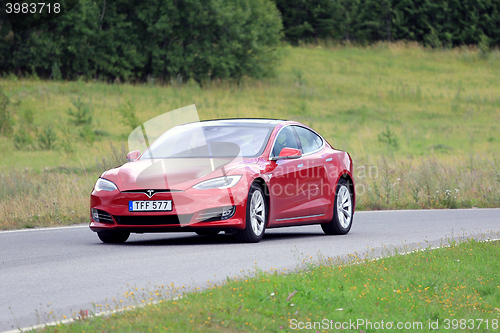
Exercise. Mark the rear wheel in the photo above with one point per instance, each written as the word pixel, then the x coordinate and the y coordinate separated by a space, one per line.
pixel 256 217
pixel 207 232
pixel 113 237
pixel 342 211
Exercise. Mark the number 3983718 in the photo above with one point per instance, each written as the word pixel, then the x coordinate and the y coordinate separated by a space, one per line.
pixel 32 8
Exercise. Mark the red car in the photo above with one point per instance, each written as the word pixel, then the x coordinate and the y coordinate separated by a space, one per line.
pixel 239 176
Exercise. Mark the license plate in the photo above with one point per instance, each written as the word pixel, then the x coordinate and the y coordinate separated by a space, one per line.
pixel 150 206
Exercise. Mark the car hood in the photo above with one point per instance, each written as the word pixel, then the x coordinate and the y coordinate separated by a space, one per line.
pixel 173 174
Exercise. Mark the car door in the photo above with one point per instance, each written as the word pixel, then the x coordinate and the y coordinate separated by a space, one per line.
pixel 286 185
pixel 313 172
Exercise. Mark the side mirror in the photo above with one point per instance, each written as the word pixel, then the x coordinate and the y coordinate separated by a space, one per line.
pixel 133 155
pixel 288 153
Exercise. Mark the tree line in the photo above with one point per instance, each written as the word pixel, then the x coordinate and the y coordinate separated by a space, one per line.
pixel 176 40
pixel 136 40
pixel 435 23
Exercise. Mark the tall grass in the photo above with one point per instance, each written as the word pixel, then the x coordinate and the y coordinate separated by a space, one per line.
pixel 52 196
pixel 428 117
pixel 49 198
pixel 429 182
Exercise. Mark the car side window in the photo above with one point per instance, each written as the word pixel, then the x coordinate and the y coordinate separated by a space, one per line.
pixel 310 141
pixel 286 139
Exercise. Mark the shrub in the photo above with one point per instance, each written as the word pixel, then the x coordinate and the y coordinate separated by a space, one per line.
pixel 87 134
pixel 5 119
pixel 389 138
pixel 82 115
pixel 22 139
pixel 129 118
pixel 130 40
pixel 436 23
pixel 66 141
pixel 484 44
pixel 27 117
pixel 47 138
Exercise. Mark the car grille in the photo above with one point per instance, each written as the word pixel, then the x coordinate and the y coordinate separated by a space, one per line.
pixel 153 220
pixel 104 217
pixel 155 191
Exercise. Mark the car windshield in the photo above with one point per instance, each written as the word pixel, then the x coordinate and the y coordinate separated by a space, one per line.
pixel 204 140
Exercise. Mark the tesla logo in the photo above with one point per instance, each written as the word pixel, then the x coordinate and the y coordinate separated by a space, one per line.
pixel 150 193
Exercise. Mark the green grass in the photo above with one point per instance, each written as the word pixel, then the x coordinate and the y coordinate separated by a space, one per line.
pixel 426 120
pixel 459 282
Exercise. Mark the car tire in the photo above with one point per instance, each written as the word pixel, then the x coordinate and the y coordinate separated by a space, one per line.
pixel 256 216
pixel 342 211
pixel 113 237
pixel 207 232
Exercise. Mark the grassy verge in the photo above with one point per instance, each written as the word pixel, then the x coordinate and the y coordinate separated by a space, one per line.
pixel 53 196
pixel 421 126
pixel 455 287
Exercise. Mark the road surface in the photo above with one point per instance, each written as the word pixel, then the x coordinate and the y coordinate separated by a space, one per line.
pixel 67 269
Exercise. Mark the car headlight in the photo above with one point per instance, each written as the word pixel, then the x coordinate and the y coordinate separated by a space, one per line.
pixel 105 185
pixel 220 183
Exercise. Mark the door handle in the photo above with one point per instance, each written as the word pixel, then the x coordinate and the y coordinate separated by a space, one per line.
pixel 328 159
pixel 300 165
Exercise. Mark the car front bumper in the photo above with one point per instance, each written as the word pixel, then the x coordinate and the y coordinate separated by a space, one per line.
pixel 189 211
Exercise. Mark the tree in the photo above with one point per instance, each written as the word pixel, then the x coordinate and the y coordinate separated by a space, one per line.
pixel 134 40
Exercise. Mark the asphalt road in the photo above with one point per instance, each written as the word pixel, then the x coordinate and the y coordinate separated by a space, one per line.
pixel 67 269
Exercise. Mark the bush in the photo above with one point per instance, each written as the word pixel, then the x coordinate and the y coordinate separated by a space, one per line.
pixel 484 44
pixel 137 40
pixel 82 115
pixel 389 138
pixel 22 139
pixel 129 118
pixel 5 119
pixel 27 117
pixel 435 23
pixel 47 138
pixel 87 134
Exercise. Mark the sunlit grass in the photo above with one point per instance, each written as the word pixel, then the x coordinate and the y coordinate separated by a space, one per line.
pixel 459 282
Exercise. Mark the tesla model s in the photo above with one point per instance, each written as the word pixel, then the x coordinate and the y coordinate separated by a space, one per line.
pixel 238 176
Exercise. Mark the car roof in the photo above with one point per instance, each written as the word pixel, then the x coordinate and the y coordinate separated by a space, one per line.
pixel 242 121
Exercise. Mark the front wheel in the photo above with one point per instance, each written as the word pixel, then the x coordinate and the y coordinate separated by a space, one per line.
pixel 256 217
pixel 342 211
pixel 113 237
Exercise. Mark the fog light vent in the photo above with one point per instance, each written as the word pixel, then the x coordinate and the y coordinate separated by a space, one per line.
pixel 216 214
pixel 101 216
